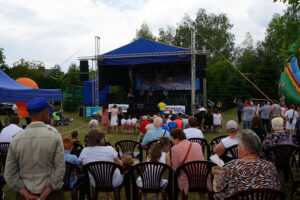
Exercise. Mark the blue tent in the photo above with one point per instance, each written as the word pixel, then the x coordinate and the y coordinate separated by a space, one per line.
pixel 88 94
pixel 144 51
pixel 12 91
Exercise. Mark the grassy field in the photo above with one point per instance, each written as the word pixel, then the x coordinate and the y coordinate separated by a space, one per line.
pixel 82 123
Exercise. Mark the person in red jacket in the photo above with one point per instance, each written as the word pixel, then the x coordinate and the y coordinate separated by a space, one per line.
pixel 143 130
pixel 178 122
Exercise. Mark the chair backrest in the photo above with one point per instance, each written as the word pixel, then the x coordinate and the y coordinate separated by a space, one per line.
pixel 283 155
pixel 296 140
pixel 151 174
pixel 258 194
pixel 102 172
pixel 231 150
pixel 3 153
pixel 197 173
pixel 203 143
pixel 127 146
pixel 214 142
pixel 71 170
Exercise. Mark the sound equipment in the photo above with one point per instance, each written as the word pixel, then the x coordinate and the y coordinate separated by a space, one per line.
pixel 81 111
pixel 84 77
pixel 200 65
pixel 84 66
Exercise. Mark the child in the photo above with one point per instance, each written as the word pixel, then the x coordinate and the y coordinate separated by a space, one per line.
pixel 68 146
pixel 217 120
pixel 158 153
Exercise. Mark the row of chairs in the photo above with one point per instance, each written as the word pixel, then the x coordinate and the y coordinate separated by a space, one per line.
pixel 151 174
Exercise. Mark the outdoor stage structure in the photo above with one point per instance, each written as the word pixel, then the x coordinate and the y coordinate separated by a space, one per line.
pixel 145 64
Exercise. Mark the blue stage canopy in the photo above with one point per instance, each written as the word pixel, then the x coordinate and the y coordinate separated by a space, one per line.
pixel 12 91
pixel 144 51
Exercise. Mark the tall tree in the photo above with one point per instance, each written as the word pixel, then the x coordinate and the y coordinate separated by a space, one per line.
pixel 3 66
pixel 144 32
pixel 166 35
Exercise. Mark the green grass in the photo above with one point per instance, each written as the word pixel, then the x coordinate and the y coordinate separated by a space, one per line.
pixel 113 138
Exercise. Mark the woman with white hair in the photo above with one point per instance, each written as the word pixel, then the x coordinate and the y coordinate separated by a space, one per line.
pixel 278 137
pixel 247 172
pixel 92 124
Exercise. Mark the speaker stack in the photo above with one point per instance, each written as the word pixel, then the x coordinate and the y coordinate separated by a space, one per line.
pixel 84 70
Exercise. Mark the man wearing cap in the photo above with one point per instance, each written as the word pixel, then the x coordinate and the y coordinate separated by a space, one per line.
pixel 35 164
pixel 232 129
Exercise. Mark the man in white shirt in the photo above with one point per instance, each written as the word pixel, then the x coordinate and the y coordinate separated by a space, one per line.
pixel 232 129
pixel 12 129
pixel 193 132
pixel 291 116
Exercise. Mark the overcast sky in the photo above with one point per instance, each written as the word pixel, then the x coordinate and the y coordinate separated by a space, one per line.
pixel 53 30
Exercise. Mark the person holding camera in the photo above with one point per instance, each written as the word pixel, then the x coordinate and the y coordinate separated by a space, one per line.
pixel 291 116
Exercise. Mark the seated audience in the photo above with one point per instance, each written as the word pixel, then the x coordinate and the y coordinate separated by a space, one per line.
pixel 68 145
pixel 77 146
pixel 247 172
pixel 12 129
pixel 278 137
pixel 158 153
pixel 257 127
pixel 232 129
pixel 143 130
pixel 185 122
pixel 150 126
pixel 92 124
pixel 155 133
pixel 97 151
pixel 193 132
pixel 184 149
pixel 178 122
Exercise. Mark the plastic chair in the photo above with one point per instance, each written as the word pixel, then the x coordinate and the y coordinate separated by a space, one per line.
pixel 71 170
pixel 283 155
pixel 151 174
pixel 231 150
pixel 214 142
pixel 128 147
pixel 103 172
pixel 3 153
pixel 203 143
pixel 258 194
pixel 197 173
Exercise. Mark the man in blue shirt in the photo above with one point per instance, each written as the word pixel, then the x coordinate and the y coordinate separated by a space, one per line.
pixel 240 106
pixel 172 125
pixel 156 133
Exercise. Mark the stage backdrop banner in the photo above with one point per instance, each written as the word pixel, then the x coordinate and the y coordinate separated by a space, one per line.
pixel 93 111
pixel 175 109
pixel 123 106
pixel 159 80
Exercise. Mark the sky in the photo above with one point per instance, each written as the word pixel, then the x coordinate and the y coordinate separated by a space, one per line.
pixel 60 31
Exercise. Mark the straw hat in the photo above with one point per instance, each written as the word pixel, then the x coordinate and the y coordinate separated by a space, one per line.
pixel 129 160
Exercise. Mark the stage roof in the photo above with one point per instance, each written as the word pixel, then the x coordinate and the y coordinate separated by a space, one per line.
pixel 12 91
pixel 144 51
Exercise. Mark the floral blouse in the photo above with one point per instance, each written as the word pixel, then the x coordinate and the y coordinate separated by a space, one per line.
pixel 239 175
pixel 274 139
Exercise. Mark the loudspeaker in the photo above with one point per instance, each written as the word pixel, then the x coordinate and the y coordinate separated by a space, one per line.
pixel 84 77
pixel 200 65
pixel 81 111
pixel 84 66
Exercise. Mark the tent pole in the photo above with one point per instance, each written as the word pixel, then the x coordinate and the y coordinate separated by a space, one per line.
pixel 193 71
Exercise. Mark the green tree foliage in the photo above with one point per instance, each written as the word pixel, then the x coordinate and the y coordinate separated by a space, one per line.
pixel 3 66
pixel 295 3
pixel 285 30
pixel 166 35
pixel 144 32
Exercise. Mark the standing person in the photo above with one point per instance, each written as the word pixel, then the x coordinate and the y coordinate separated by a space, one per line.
pixel 249 112
pixel 178 122
pixel 172 124
pixel 291 116
pixel 208 121
pixel 275 109
pixel 104 120
pixel 35 164
pixel 11 130
pixel 217 121
pixel 297 128
pixel 120 115
pixel 114 116
pixel 282 98
pixel 265 116
pixel 161 107
pixel 240 106
pixel 219 106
